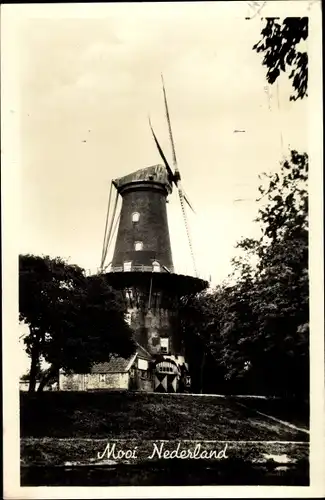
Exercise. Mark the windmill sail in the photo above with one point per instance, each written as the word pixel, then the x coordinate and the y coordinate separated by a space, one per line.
pixel 108 230
pixel 163 157
pixel 187 201
pixel 177 173
pixel 169 127
pixel 177 178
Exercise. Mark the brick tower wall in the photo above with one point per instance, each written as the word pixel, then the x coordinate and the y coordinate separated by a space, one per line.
pixel 151 229
pixel 153 316
pixel 151 326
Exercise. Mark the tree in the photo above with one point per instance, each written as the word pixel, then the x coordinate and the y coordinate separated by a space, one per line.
pixel 281 298
pixel 43 283
pixel 268 336
pixel 74 320
pixel 255 326
pixel 279 43
pixel 197 314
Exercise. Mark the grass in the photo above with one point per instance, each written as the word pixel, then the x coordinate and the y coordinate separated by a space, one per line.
pixel 297 413
pixel 114 415
pixel 62 433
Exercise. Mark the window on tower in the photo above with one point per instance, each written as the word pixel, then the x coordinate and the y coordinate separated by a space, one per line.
pixel 155 267
pixel 135 217
pixel 138 245
pixel 164 345
pixel 127 266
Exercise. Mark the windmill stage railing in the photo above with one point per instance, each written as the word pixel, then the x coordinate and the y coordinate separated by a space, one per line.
pixel 149 269
pixel 137 268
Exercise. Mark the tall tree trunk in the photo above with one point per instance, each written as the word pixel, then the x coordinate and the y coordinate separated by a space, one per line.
pixel 34 366
pixel 53 370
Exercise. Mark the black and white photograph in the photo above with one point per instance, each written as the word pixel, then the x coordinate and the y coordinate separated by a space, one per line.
pixel 162 258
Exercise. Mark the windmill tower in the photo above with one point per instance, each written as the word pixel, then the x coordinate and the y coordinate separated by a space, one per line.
pixel 142 265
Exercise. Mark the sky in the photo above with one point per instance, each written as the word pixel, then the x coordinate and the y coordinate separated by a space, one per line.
pixel 87 80
pixel 87 87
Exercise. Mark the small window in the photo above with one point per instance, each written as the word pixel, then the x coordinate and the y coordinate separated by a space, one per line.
pixel 155 267
pixel 142 364
pixel 135 217
pixel 138 245
pixel 164 343
pixel 127 266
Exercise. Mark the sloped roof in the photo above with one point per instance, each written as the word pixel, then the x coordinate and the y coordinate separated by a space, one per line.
pixel 154 173
pixel 121 365
pixel 142 353
pixel 115 365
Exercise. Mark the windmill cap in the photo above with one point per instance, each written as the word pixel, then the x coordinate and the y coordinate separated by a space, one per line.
pixel 155 175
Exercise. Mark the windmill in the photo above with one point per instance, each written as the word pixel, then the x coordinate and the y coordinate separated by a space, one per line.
pixel 142 264
pixel 173 178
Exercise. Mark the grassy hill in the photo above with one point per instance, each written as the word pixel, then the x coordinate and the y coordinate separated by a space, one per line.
pixel 63 432
pixel 145 416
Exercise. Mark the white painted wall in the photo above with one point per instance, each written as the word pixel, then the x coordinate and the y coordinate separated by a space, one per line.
pixel 80 382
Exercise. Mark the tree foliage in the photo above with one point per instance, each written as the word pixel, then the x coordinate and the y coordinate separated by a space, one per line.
pixel 277 289
pixel 279 45
pixel 256 325
pixel 197 315
pixel 74 320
